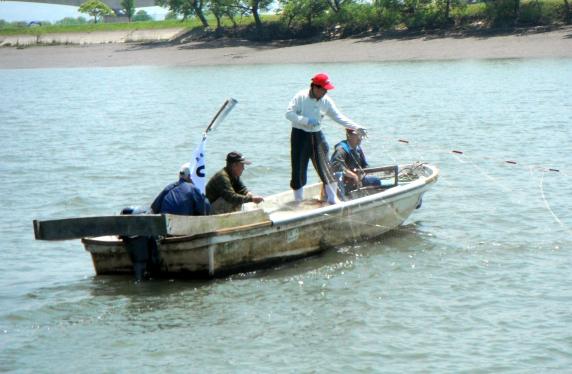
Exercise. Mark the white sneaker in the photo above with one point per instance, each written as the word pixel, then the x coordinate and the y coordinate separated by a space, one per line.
pixel 332 193
pixel 299 195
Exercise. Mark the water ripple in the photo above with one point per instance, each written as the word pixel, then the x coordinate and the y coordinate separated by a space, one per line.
pixel 476 281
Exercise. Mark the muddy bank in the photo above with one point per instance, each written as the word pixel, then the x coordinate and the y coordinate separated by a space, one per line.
pixel 549 44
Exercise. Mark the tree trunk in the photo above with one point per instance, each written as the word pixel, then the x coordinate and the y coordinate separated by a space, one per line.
pixel 516 11
pixel 256 16
pixel 447 10
pixel 335 5
pixel 231 17
pixel 218 23
pixel 198 9
pixel 566 12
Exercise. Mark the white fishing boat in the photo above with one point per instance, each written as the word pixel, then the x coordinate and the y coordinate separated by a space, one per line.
pixel 277 230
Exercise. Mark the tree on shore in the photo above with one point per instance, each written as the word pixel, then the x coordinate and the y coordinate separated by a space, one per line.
pixel 142 16
pixel 341 18
pixel 129 7
pixel 96 9
pixel 516 11
pixel 221 8
pixel 337 5
pixel 303 11
pixel 197 6
pixel 187 8
pixel 254 7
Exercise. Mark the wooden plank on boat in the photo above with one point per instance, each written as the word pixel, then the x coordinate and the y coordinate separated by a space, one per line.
pixel 181 225
pixel 76 228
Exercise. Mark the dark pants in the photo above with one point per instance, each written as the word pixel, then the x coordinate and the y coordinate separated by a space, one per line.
pixel 303 147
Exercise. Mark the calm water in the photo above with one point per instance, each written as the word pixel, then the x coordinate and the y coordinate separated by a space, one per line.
pixel 479 280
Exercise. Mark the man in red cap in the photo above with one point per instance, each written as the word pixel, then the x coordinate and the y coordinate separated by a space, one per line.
pixel 305 112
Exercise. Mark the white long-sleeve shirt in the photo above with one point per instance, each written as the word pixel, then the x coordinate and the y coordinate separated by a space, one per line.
pixel 302 107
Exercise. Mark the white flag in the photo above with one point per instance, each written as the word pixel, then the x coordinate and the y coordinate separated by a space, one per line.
pixel 198 167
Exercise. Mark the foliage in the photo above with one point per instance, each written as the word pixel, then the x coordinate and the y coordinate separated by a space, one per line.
pixel 72 21
pixel 353 18
pixel 254 7
pixel 129 7
pixel 465 14
pixel 302 12
pixel 338 5
pixel 388 13
pixel 142 16
pixel 308 18
pixel 171 16
pixel 96 9
pixel 541 12
pixel 225 8
pixel 501 13
pixel 186 8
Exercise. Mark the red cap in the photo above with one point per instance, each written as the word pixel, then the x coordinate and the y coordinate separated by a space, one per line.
pixel 323 81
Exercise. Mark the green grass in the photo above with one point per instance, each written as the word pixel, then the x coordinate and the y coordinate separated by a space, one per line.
pixel 11 29
pixel 90 27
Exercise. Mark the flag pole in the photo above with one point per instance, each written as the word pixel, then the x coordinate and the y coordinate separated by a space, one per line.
pixel 198 164
pixel 221 114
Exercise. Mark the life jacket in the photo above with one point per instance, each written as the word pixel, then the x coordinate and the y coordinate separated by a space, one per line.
pixel 351 156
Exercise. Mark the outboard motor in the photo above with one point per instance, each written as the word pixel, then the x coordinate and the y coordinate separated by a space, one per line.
pixel 143 250
pixel 135 210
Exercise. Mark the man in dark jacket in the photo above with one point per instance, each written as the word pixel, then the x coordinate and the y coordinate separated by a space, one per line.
pixel 348 162
pixel 182 197
pixel 225 189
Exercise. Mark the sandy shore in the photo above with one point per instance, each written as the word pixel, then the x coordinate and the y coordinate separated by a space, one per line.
pixel 549 44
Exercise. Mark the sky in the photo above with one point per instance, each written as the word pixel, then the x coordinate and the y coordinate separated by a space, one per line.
pixel 20 11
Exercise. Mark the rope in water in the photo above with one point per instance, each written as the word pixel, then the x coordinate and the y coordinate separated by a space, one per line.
pixel 541 186
pixel 508 162
pixel 464 157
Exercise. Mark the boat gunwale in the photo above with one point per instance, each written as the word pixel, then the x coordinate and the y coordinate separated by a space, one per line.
pixel 389 195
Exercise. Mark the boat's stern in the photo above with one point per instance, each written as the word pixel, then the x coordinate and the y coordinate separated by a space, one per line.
pixel 109 255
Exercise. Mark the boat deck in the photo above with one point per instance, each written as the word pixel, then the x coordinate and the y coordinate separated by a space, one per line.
pixel 293 208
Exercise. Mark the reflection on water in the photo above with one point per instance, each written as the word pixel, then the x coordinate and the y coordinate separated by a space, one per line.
pixel 481 264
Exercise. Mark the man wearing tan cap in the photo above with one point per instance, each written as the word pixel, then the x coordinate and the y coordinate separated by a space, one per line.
pixel 307 141
pixel 225 190
pixel 348 163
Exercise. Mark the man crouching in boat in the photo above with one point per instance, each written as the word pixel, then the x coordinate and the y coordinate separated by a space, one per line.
pixel 225 189
pixel 348 162
pixel 182 197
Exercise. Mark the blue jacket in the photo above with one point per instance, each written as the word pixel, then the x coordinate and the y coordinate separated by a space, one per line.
pixel 345 157
pixel 181 198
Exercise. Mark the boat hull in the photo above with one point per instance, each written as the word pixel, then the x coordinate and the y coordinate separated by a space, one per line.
pixel 285 236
